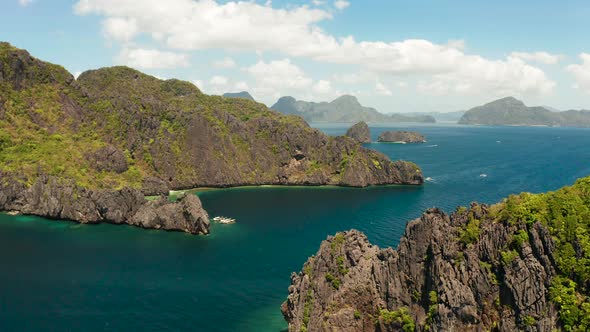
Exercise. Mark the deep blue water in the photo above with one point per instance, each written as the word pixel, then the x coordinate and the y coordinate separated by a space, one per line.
pixel 58 276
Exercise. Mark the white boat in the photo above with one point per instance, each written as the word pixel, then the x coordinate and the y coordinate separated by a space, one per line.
pixel 224 220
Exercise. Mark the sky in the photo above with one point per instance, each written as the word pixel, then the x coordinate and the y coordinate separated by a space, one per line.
pixel 395 55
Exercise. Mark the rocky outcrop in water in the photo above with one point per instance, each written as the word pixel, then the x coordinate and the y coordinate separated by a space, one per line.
pixel 56 198
pixel 449 273
pixel 360 132
pixel 401 136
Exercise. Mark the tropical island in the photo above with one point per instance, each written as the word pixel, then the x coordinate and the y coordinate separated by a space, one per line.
pixel 510 111
pixel 521 264
pixel 344 109
pixel 89 149
pixel 401 137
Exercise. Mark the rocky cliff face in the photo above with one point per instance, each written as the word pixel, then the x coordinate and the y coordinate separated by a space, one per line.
pixel 401 136
pixel 360 132
pixel 56 198
pixel 471 271
pixel 116 127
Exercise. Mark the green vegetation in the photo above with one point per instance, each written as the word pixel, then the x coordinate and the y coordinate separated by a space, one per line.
pixel 470 232
pixel 333 280
pixel 337 242
pixel 508 256
pixel 51 124
pixel 432 309
pixel 357 315
pixel 401 317
pixel 341 267
pixel 566 214
pixel 307 306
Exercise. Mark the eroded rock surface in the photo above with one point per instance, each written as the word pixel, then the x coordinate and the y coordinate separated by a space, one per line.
pixel 434 281
pixel 360 132
pixel 56 198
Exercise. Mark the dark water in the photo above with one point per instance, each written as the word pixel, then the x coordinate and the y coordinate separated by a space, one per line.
pixel 59 276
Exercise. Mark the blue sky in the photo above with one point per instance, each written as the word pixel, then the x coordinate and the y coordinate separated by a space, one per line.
pixel 397 56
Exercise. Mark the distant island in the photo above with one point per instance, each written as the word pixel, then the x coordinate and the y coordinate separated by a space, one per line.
pixel 243 95
pixel 510 111
pixel 345 109
pixel 449 117
pixel 401 137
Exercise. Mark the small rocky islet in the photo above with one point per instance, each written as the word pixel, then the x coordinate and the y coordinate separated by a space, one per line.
pixel 70 148
pixel 401 137
pixel 360 132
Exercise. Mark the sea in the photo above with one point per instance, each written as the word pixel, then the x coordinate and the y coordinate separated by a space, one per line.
pixel 62 276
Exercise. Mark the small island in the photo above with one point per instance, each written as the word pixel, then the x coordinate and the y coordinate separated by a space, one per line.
pixel 360 132
pixel 402 137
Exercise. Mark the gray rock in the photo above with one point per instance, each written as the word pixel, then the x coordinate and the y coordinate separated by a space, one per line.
pixel 475 290
pixel 109 159
pixel 401 136
pixel 360 132
pixel 56 198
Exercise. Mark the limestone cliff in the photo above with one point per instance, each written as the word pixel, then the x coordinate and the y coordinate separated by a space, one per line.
pixel 117 127
pixel 360 132
pixel 516 265
pixel 56 198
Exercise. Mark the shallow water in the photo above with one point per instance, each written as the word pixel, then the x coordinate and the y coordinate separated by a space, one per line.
pixel 58 276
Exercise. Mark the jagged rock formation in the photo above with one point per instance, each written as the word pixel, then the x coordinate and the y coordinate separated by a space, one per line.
pixel 516 265
pixel 243 94
pixel 360 132
pixel 56 198
pixel 117 127
pixel 401 136
pixel 511 111
pixel 345 109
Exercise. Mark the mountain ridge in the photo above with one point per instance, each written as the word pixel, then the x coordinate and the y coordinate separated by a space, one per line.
pixel 511 111
pixel 345 108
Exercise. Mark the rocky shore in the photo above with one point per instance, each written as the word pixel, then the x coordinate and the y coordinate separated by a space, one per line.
pixel 56 198
pixel 444 276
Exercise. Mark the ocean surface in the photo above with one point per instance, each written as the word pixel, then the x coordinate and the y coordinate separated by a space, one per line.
pixel 61 276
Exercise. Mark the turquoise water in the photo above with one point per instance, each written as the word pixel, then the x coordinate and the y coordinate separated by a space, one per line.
pixel 58 276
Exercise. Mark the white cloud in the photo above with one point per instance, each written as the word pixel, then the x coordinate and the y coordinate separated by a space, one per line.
pixel 76 74
pixel 581 73
pixel 294 32
pixel 318 2
pixel 323 87
pixel 481 76
pixel 382 90
pixel 120 29
pixel 540 57
pixel 241 86
pixel 25 3
pixel 279 78
pixel 277 75
pixel 341 4
pixel 224 63
pixel 219 80
pixel 151 58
